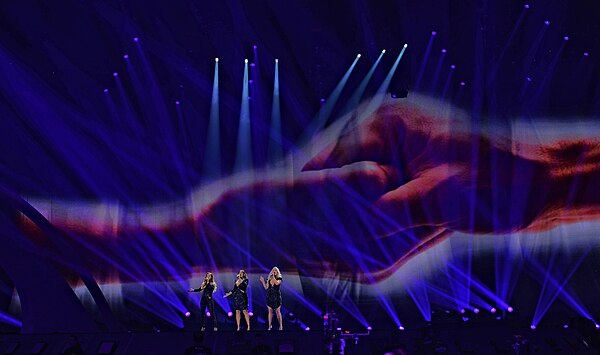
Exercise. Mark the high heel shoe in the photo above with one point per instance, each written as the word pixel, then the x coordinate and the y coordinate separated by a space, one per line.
pixel 270 327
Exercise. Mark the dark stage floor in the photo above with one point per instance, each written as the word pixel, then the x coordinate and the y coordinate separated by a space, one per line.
pixel 458 339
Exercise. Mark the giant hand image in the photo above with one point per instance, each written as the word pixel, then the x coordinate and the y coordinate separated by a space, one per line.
pixel 387 185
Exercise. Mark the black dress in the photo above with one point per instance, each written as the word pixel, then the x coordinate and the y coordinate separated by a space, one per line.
pixel 274 294
pixel 240 297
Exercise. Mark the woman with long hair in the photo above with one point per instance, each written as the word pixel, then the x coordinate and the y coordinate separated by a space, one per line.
pixel 208 287
pixel 240 298
pixel 272 285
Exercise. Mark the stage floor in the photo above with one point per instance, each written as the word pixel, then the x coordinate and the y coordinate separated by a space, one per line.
pixel 449 340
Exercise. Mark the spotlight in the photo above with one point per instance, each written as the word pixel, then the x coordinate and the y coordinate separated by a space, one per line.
pixel 254 46
pixel 444 51
pixel 250 81
pixel 252 64
pixel 585 54
pixel 115 74
pixel 462 311
pixel 462 83
pixel 401 327
pixel 597 326
pixel 566 326
pixel 307 329
pixel 394 96
pixel 207 313
pixel 126 56
pixel 493 310
pixel 528 79
pixel 105 90
pixel 276 60
pixel 510 309
pixel 358 55
pixel 246 61
pixel 338 329
pixel 566 38
pixel 135 39
pixel 187 314
pixel 383 51
pixel 251 314
pixel 405 45
pixel 323 100
pixel 369 328
pixel 217 60
pixel 230 314
pixel 290 317
pixel 453 66
pixel 475 310
pixel 532 327
pixel 547 23
pixel 433 33
pixel 526 6
pixel 177 102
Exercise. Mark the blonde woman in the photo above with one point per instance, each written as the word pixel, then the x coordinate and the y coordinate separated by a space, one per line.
pixel 240 298
pixel 208 287
pixel 272 285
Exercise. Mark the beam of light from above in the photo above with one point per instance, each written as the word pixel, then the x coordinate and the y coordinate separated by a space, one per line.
pixel 243 155
pixel 424 61
pixel 243 163
pixel 211 168
pixel 354 100
pixel 548 75
pixel 383 88
pixel 529 61
pixel 494 71
pixel 438 69
pixel 276 135
pixel 325 112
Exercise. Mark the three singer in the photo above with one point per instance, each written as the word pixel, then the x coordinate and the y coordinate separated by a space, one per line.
pixel 240 298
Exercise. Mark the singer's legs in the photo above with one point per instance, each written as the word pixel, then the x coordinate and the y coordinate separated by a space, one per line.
pixel 278 312
pixel 237 318
pixel 202 310
pixel 211 309
pixel 247 316
pixel 270 318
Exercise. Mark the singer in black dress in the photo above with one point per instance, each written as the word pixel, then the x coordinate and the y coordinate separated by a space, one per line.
pixel 208 287
pixel 272 285
pixel 240 298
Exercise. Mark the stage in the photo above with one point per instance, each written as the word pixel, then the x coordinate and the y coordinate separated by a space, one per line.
pixel 435 339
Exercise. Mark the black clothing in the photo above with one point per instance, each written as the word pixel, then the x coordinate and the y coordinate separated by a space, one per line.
pixel 274 294
pixel 240 297
pixel 207 302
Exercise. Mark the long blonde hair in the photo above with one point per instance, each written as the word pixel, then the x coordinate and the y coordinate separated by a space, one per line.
pixel 277 271
pixel 245 275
